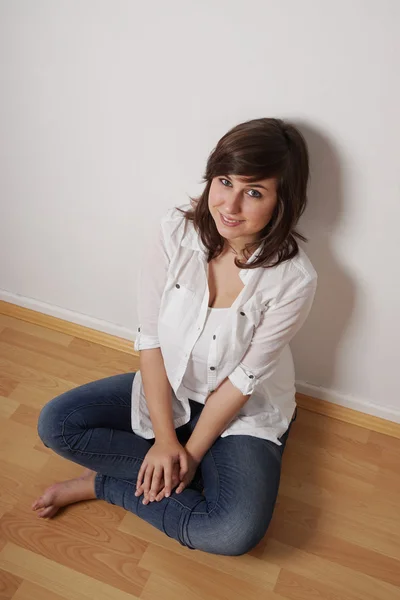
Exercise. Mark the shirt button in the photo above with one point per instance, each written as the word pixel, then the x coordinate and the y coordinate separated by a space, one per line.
pixel 251 376
pixel 177 286
pixel 214 337
pixel 138 328
pixel 242 313
pixel 212 368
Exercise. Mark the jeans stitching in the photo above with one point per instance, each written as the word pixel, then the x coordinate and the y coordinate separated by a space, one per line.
pixel 97 485
pixel 99 455
pixel 91 453
pixel 132 484
pixel 275 451
pixel 218 492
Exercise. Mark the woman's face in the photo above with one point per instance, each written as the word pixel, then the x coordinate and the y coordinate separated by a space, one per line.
pixel 249 205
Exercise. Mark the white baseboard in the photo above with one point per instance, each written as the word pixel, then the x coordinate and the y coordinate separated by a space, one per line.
pixel 68 315
pixel 308 389
pixel 390 414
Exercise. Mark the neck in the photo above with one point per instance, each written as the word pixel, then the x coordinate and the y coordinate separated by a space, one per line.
pixel 237 249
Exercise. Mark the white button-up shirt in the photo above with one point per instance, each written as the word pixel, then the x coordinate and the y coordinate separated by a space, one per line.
pixel 251 345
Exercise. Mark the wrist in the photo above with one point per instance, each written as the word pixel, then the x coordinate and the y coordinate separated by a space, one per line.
pixel 166 437
pixel 197 457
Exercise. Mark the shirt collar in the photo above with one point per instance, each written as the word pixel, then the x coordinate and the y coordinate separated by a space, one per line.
pixel 193 241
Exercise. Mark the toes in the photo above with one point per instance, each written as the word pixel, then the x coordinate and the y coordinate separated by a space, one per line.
pixel 46 499
pixel 48 512
pixel 52 512
pixel 39 503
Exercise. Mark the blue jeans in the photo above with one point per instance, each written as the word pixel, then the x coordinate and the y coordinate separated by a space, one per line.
pixel 226 509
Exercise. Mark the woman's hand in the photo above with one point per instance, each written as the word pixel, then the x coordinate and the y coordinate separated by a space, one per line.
pixel 188 477
pixel 161 495
pixel 162 461
pixel 175 482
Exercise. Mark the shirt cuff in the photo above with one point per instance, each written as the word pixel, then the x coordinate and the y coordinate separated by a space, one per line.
pixel 146 342
pixel 243 379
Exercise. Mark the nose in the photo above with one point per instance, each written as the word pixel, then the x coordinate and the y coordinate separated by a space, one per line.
pixel 232 204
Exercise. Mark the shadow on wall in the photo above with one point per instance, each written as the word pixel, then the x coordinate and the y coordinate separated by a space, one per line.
pixel 315 348
pixel 317 345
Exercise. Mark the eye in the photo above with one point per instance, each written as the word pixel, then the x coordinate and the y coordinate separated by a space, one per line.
pixel 259 195
pixel 228 183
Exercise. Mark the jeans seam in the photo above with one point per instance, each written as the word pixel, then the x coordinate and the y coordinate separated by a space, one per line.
pixel 275 452
pixel 163 520
pixel 218 492
pixel 132 484
pixel 99 454
pixel 82 451
pixel 98 484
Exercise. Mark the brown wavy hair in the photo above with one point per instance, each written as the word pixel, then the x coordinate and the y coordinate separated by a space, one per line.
pixel 259 149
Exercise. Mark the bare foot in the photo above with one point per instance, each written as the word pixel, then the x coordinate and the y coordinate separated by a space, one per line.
pixel 67 492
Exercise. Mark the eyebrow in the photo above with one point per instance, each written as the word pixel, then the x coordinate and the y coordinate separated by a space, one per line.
pixel 253 185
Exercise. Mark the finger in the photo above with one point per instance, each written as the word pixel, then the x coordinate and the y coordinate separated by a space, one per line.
pixel 180 487
pixel 142 471
pixel 156 482
pixel 161 495
pixel 140 480
pixel 183 459
pixel 168 479
pixel 147 481
pixel 140 490
pixel 175 475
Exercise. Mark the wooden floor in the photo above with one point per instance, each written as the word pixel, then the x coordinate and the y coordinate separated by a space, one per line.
pixel 335 534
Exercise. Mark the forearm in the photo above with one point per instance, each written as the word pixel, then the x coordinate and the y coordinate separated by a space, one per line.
pixel 157 390
pixel 220 409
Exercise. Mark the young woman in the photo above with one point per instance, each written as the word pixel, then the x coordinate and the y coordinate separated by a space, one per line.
pixel 192 442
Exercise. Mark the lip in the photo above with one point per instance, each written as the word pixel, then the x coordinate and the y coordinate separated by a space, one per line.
pixel 226 224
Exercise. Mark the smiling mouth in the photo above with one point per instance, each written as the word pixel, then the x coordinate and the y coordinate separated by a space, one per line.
pixel 230 220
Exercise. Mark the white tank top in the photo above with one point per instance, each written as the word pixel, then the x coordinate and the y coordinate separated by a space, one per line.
pixel 195 379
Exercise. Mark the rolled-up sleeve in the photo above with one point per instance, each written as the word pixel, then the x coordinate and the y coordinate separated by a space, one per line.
pixel 150 286
pixel 281 321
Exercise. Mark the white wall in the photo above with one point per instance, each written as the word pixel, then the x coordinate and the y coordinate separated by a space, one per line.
pixel 109 109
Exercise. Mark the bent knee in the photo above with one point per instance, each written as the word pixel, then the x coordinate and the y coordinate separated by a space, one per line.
pixel 45 425
pixel 50 423
pixel 235 541
pixel 239 545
